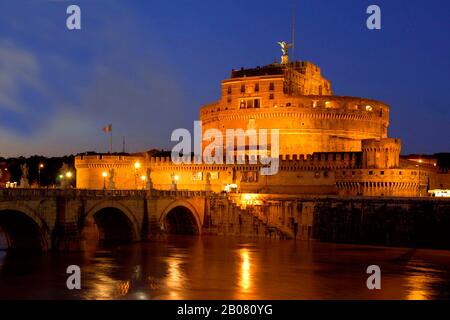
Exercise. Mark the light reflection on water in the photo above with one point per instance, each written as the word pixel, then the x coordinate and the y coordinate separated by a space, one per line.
pixel 176 277
pixel 419 280
pixel 228 268
pixel 245 278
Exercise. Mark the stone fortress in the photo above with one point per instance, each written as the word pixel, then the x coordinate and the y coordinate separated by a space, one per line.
pixel 328 145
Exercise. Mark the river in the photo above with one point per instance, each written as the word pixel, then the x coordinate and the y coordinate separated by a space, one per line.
pixel 228 268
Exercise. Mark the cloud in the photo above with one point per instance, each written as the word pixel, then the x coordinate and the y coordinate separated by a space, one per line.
pixel 18 68
pixel 134 90
pixel 59 88
pixel 63 134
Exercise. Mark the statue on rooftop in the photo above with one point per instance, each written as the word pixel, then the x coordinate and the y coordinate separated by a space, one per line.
pixel 284 47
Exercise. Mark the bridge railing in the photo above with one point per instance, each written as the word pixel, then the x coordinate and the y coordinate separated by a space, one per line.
pixel 41 192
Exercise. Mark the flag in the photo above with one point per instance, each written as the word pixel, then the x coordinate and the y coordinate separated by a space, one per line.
pixel 108 128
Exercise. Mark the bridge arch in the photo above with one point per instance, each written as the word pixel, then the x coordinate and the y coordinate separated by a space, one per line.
pixel 115 222
pixel 181 217
pixel 22 229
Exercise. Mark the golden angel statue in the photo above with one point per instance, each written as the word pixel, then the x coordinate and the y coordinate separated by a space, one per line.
pixel 284 47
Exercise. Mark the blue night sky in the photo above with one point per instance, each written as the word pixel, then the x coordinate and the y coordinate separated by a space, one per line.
pixel 147 66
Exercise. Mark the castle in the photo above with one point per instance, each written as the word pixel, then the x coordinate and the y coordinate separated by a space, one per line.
pixel 328 145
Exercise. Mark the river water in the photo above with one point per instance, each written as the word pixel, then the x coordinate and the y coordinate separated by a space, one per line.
pixel 228 268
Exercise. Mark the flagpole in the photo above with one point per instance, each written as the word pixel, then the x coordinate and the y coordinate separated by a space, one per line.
pixel 110 140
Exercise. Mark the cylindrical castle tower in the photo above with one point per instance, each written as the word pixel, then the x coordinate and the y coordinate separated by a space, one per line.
pixel 297 100
pixel 381 154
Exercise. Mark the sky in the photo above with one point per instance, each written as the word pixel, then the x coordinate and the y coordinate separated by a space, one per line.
pixel 148 66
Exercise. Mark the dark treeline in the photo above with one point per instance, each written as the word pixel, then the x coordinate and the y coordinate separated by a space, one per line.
pixel 443 160
pixel 49 172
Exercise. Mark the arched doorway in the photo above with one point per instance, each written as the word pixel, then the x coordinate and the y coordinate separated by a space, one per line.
pixel 18 231
pixel 181 220
pixel 113 226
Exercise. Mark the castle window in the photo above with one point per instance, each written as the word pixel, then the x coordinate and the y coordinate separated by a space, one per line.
pixel 242 88
pixel 400 173
pixel 229 90
pixel 249 103
pixel 382 173
pixel 271 86
pixel 288 104
pixel 353 173
pixel 370 173
pixel 256 87
pixel 271 96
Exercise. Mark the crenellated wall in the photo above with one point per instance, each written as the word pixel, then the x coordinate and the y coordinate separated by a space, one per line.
pixel 382 182
pixel 381 153
pixel 90 169
pixel 342 173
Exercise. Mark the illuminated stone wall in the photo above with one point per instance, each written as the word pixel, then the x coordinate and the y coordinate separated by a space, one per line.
pixel 319 174
pixel 90 170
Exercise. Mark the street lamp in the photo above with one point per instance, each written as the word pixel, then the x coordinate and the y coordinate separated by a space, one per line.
pixel 40 167
pixel 104 175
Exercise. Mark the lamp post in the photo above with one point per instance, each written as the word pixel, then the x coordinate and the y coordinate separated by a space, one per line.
pixel 40 167
pixel 175 179
pixel 68 176
pixel 137 165
pixel 143 178
pixel 418 167
pixel 104 175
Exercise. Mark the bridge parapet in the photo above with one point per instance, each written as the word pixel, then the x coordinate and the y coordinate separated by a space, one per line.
pixel 19 193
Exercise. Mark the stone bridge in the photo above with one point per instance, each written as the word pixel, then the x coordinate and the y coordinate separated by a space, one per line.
pixel 60 219
pixel 56 218
pixel 66 219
